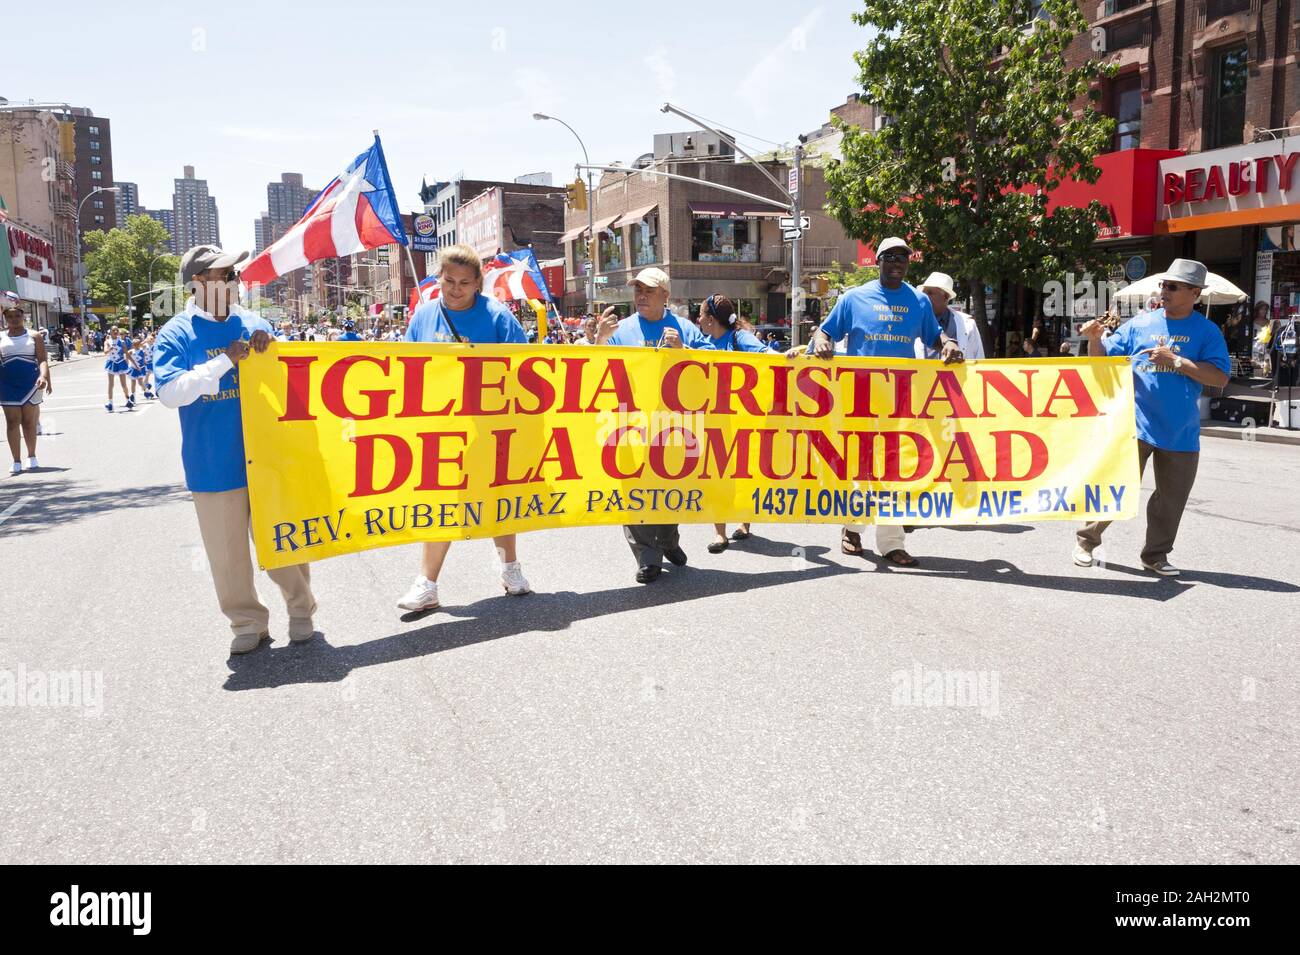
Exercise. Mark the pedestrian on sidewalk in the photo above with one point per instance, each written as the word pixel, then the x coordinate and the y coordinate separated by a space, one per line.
pixel 463 313
pixel 652 326
pixel 24 381
pixel 1176 351
pixel 196 367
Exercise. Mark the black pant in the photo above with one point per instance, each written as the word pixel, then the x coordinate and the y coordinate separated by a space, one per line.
pixel 650 541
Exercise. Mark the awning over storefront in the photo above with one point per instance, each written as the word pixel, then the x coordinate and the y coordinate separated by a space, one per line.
pixel 635 216
pixel 603 224
pixel 726 209
pixel 1127 187
pixel 1251 184
pixel 573 234
pixel 40 291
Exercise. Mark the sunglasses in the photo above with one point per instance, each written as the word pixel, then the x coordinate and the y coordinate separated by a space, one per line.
pixel 893 257
pixel 1175 286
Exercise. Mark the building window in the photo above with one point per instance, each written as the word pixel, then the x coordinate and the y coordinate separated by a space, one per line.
pixel 581 256
pixel 1215 9
pixel 611 250
pixel 94 130
pixel 724 240
pixel 1127 33
pixel 96 160
pixel 1226 98
pixel 98 203
pixel 94 144
pixel 645 240
pixel 99 220
pixel 96 174
pixel 1119 6
pixel 1126 108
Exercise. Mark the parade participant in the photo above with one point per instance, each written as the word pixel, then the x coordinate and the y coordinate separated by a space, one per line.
pixel 728 332
pixel 958 326
pixel 653 325
pixel 139 373
pixel 197 358
pixel 116 347
pixel 1176 351
pixel 882 319
pixel 24 381
pixel 462 313
pixel 285 334
pixel 349 332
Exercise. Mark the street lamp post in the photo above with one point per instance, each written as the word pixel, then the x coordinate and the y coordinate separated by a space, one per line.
pixel 591 212
pixel 76 238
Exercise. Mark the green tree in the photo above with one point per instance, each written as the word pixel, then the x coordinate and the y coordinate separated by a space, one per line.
pixel 980 126
pixel 125 253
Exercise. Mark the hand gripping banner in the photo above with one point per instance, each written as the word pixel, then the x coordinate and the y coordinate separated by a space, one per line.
pixel 352 446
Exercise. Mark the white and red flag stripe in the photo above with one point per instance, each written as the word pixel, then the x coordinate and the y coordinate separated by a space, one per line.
pixel 355 212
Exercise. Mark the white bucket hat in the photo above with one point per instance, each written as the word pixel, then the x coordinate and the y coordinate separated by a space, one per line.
pixel 941 281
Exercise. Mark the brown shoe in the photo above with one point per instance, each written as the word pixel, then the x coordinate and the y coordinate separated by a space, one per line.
pixel 301 629
pixel 851 543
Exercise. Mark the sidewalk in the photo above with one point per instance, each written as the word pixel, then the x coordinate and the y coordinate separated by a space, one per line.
pixel 1270 435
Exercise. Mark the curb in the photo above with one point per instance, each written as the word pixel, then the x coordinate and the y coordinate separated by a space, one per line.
pixel 1264 436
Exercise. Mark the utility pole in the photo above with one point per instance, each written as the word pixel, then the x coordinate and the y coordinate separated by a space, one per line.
pixel 796 292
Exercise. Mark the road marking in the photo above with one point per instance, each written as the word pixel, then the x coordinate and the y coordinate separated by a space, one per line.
pixel 12 509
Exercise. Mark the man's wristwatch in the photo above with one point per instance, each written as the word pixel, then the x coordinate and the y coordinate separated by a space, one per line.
pixel 1178 363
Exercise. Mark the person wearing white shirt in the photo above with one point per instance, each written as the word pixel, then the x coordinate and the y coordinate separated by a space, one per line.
pixel 956 325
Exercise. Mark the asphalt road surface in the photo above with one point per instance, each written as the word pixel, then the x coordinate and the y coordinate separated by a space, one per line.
pixel 778 702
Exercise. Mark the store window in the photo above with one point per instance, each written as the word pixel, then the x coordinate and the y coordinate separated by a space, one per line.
pixel 581 255
pixel 1226 99
pixel 1126 108
pixel 716 239
pixel 611 250
pixel 645 240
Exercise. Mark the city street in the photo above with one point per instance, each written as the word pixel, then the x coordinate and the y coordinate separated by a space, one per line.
pixel 766 704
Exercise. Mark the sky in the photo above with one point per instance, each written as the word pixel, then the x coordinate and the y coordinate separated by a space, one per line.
pixel 245 91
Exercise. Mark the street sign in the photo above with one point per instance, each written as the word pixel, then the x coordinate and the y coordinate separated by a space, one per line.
pixel 602 279
pixel 790 234
pixel 787 222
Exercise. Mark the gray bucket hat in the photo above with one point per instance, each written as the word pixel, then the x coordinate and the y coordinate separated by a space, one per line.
pixel 1187 271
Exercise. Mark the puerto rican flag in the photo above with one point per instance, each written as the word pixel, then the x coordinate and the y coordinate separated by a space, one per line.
pixel 356 211
pixel 508 278
pixel 426 291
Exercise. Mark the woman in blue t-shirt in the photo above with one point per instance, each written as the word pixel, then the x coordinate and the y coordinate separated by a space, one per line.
pixel 462 313
pixel 728 332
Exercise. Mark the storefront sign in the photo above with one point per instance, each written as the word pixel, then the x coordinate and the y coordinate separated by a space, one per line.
pixel 1241 185
pixel 478 223
pixel 33 257
pixel 1263 276
pixel 425 238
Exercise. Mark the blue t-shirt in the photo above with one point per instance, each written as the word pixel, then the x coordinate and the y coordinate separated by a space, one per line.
pixel 212 434
pixel 734 339
pixel 486 322
pixel 881 322
pixel 349 337
pixel 635 332
pixel 1168 415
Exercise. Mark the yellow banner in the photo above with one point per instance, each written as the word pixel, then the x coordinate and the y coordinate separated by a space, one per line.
pixel 357 446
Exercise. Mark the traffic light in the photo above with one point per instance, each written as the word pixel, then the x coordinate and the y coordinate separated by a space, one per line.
pixel 577 194
pixel 814 308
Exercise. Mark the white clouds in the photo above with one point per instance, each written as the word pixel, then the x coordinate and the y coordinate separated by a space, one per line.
pixel 781 65
pixel 537 87
pixel 270 134
pixel 665 76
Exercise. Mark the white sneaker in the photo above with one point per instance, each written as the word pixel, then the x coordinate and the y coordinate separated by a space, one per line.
pixel 1083 558
pixel 32 465
pixel 512 579
pixel 1163 568
pixel 423 595
pixel 16 468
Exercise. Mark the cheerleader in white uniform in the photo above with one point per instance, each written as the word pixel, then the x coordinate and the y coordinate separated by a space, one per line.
pixel 116 346
pixel 24 380
pixel 139 372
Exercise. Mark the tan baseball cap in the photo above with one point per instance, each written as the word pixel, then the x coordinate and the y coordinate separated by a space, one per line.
pixel 204 257
pixel 650 278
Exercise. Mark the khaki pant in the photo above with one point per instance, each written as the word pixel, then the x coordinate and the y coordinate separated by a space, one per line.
pixel 889 537
pixel 1175 475
pixel 226 527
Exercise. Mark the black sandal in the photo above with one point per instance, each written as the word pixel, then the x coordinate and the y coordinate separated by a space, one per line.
pixel 717 547
pixel 739 535
pixel 851 543
pixel 901 557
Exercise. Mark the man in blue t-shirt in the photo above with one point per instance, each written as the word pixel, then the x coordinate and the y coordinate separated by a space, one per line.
pixel 349 332
pixel 652 326
pixel 195 368
pixel 1176 350
pixel 882 319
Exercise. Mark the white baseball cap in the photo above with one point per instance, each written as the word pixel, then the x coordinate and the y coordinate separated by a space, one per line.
pixel 650 278
pixel 893 242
